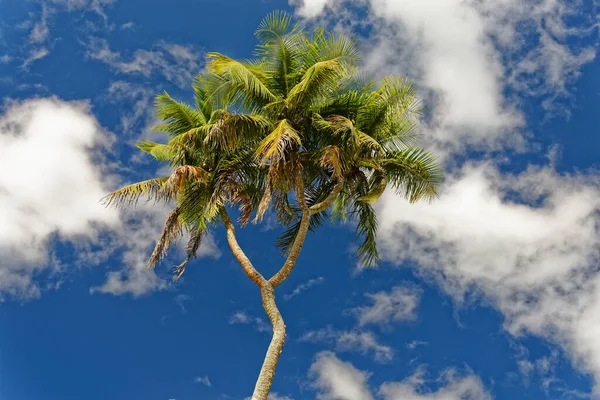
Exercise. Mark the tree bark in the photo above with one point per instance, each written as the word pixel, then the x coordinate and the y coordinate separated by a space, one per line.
pixel 267 372
pixel 267 287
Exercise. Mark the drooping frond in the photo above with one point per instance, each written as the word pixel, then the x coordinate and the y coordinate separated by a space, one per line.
pixel 272 149
pixel 182 176
pixel 376 186
pixel 366 228
pixel 414 173
pixel 129 195
pixel 330 158
pixel 159 151
pixel 191 250
pixel 177 117
pixel 171 232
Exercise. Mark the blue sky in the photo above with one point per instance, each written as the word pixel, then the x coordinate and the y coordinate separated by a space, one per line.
pixel 490 292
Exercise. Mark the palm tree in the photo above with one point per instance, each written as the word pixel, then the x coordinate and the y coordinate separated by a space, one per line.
pixel 297 130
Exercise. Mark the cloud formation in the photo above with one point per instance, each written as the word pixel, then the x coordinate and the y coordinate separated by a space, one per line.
pixel 351 341
pixel 399 304
pixel 50 187
pixel 176 63
pixel 334 379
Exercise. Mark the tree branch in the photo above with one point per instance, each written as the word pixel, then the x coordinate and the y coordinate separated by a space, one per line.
pixel 290 262
pixel 238 253
pixel 324 205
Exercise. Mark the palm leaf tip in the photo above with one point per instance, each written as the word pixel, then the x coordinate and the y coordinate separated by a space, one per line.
pixel 130 195
pixel 171 232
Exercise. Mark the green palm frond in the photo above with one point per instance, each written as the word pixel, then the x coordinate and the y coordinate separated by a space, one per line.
pixel 129 195
pixel 286 238
pixel 235 129
pixel 161 152
pixel 272 149
pixel 177 117
pixel 366 228
pixel 247 81
pixel 377 185
pixel 389 108
pixel 414 173
pixel 274 26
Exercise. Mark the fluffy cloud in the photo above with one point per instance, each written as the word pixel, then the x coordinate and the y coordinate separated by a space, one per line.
pixel 177 63
pixel 455 388
pixel 530 242
pixel 53 176
pixel 50 186
pixel 350 341
pixel 334 379
pixel 399 304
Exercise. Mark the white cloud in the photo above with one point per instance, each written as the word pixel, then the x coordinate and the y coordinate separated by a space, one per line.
pixel 243 318
pixel 177 63
pixel 350 341
pixel 40 30
pixel 399 304
pixel 180 300
pixel 337 380
pixel 304 287
pixel 334 379
pixel 127 26
pixel 34 55
pixel 50 186
pixel 529 242
pixel 454 387
pixel 203 380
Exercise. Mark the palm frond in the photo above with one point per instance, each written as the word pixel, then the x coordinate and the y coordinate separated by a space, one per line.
pixel 182 176
pixel 177 117
pixel 286 238
pixel 171 232
pixel 272 149
pixel 414 173
pixel 191 250
pixel 235 129
pixel 247 81
pixel 366 228
pixel 129 195
pixel 159 151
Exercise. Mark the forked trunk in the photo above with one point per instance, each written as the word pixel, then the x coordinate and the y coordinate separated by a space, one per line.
pixel 267 372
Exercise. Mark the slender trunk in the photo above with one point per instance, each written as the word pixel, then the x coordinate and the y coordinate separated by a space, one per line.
pixel 267 287
pixel 267 372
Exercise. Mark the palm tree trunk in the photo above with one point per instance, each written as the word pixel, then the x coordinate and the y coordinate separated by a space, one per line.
pixel 267 372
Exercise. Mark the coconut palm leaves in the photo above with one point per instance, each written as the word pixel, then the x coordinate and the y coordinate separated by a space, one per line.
pixel 337 128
